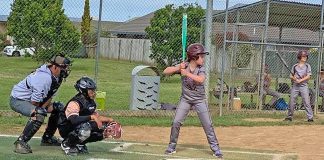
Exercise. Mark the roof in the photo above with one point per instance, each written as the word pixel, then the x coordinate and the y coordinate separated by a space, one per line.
pixel 105 25
pixel 135 26
pixel 3 18
pixel 299 23
pixel 282 14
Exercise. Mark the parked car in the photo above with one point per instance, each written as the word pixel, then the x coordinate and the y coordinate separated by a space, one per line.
pixel 16 52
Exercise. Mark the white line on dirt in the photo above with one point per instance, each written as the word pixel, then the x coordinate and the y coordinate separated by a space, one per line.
pixel 225 151
pixel 121 147
pixel 159 155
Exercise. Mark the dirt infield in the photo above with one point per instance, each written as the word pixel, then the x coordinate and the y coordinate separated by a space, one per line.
pixel 306 141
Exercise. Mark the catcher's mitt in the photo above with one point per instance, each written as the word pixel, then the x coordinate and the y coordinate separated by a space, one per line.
pixel 112 130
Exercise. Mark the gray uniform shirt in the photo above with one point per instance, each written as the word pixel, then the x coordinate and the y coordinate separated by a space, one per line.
pixel 192 91
pixel 301 72
pixel 35 86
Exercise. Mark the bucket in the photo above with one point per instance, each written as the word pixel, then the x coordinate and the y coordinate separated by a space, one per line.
pixel 101 100
pixel 237 104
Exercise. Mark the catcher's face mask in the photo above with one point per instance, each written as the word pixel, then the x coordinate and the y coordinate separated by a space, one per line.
pixel 92 93
pixel 65 71
pixel 63 63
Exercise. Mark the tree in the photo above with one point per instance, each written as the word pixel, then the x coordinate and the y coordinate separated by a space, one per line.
pixel 165 32
pixel 244 55
pixel 85 24
pixel 42 24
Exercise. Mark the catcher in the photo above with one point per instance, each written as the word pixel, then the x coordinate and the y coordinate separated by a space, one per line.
pixel 79 122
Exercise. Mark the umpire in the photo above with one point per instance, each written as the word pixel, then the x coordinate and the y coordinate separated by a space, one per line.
pixel 32 97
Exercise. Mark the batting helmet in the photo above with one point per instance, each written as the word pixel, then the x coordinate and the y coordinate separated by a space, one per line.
pixel 84 84
pixel 194 50
pixel 302 53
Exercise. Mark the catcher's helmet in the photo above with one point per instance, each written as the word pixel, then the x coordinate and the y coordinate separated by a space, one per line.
pixel 194 50
pixel 302 53
pixel 84 84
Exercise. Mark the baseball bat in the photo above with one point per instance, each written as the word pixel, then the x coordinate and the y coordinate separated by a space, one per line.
pixel 286 65
pixel 184 36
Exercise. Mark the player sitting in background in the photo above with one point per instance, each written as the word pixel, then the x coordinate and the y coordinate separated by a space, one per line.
pixel 267 91
pixel 80 123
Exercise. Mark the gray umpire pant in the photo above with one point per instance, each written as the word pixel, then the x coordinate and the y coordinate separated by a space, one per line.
pixel 304 92
pixel 203 114
pixel 23 107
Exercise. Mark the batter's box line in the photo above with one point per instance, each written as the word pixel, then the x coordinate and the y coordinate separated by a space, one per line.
pixel 125 145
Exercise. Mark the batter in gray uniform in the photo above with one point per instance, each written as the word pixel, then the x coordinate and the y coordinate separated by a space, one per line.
pixel 302 73
pixel 193 95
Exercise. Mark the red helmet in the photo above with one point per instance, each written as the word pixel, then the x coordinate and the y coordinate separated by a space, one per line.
pixel 194 50
pixel 302 53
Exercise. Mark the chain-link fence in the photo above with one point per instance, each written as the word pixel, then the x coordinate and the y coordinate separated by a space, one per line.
pixel 246 36
pixel 264 37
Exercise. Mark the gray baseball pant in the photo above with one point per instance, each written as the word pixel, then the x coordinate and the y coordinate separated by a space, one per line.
pixel 304 92
pixel 203 114
pixel 275 96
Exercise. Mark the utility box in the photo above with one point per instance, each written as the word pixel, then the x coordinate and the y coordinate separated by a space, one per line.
pixel 145 89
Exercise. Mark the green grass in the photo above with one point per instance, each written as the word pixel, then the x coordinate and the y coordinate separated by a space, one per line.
pixel 133 151
pixel 114 78
pixel 227 120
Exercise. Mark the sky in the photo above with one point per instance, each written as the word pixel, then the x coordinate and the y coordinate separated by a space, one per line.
pixel 123 10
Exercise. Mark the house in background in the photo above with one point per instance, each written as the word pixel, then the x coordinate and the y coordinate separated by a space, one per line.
pixel 134 28
pixel 105 25
pixel 3 29
pixel 3 23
